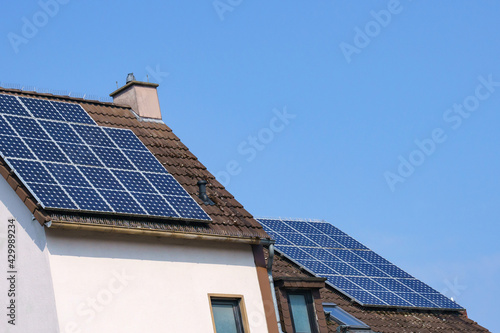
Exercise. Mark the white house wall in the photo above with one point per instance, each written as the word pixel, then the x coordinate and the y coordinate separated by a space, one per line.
pixel 32 294
pixel 126 283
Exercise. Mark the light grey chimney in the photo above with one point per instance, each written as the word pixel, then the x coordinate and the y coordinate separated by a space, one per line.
pixel 142 97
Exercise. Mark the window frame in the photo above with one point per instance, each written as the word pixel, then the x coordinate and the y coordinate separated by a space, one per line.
pixel 311 311
pixel 329 316
pixel 239 309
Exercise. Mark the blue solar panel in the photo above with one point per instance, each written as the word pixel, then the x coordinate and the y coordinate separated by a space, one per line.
pixel 351 267
pixel 368 269
pixel 393 285
pixel 113 158
pixel 166 184
pixel 325 241
pixel 73 113
pixel 80 154
pixel 10 105
pixel 14 147
pixel 144 161
pixel 101 178
pixel 88 199
pixel 93 136
pixel 125 139
pixel 343 268
pixel 186 207
pixel 391 298
pixel 68 162
pixel 5 128
pixel 122 202
pixel 155 204
pixel 41 109
pixel 298 239
pixel 134 181
pixel 52 196
pixel 46 150
pixel 27 127
pixel 67 174
pixel 31 171
pixel 365 297
pixel 61 132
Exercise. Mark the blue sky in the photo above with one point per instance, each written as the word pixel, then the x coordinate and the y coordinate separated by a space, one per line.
pixel 380 117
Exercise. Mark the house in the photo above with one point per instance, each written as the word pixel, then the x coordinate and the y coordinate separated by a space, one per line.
pixel 86 246
pixel 110 224
pixel 326 281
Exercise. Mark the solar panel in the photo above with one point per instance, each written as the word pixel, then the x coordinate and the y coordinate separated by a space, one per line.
pixel 351 267
pixel 69 162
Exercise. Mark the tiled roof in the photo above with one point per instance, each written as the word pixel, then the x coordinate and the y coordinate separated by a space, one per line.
pixel 229 218
pixel 385 320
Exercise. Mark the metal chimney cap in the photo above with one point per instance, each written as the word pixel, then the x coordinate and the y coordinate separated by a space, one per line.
pixel 130 77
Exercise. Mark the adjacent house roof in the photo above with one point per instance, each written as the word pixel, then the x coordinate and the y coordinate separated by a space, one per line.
pixel 229 218
pixel 381 320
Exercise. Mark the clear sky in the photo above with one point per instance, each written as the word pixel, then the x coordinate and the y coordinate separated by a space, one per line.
pixel 381 117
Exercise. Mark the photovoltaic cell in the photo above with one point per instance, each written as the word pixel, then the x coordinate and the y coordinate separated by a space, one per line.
pixel 14 147
pixel 187 207
pixel 122 202
pixel 67 174
pixel 144 161
pixel 61 132
pixel 113 158
pixel 166 184
pixel 101 178
pixel 351 267
pixel 80 155
pixel 46 150
pixel 52 196
pixel 93 136
pixel 73 113
pixel 5 129
pixel 10 105
pixel 134 181
pixel 154 204
pixel 68 162
pixel 88 199
pixel 125 139
pixel 31 171
pixel 27 127
pixel 41 109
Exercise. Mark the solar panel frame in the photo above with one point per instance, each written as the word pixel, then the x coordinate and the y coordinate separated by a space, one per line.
pixel 359 273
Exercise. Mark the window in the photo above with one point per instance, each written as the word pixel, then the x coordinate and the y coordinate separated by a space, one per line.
pixel 343 318
pixel 227 314
pixel 302 312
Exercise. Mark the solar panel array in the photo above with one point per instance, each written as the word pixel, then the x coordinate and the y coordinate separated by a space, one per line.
pixel 69 162
pixel 350 267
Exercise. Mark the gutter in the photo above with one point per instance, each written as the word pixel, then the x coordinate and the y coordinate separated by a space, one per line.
pixel 158 233
pixel 270 260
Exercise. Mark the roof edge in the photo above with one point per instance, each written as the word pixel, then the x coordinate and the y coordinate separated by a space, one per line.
pixel 159 233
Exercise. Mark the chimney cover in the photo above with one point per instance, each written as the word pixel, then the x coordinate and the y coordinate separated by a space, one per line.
pixel 130 77
pixel 202 184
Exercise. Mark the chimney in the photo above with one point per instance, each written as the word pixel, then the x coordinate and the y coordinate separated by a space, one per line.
pixel 142 97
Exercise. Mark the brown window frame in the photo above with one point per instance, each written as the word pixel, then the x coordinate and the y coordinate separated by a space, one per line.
pixel 311 311
pixel 239 309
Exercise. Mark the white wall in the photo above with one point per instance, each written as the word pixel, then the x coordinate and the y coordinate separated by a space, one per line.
pixel 34 295
pixel 125 283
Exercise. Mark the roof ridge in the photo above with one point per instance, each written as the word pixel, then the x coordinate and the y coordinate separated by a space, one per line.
pixel 63 97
